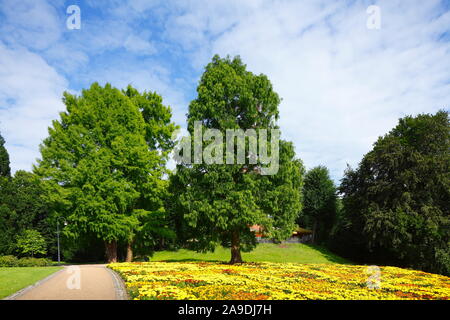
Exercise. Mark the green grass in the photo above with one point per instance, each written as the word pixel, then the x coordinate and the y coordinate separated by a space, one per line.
pixel 17 278
pixel 291 252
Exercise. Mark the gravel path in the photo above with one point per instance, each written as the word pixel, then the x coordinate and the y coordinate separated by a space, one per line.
pixel 82 282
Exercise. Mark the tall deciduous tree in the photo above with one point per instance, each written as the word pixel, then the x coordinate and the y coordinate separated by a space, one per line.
pixel 397 202
pixel 217 203
pixel 5 170
pixel 158 135
pixel 103 161
pixel 319 210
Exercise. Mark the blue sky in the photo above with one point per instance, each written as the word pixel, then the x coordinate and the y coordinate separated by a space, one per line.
pixel 342 84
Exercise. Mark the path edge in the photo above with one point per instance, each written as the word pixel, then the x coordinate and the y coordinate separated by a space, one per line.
pixel 32 286
pixel 119 285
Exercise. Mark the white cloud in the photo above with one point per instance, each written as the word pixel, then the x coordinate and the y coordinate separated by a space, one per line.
pixel 342 84
pixel 30 98
pixel 139 45
pixel 33 23
pixel 66 58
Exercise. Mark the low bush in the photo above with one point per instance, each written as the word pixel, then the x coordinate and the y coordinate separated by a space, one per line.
pixel 11 261
pixel 8 261
pixel 33 262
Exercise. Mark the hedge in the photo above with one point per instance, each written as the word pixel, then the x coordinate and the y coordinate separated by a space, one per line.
pixel 12 261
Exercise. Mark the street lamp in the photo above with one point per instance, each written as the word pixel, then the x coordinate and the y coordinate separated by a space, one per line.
pixel 57 233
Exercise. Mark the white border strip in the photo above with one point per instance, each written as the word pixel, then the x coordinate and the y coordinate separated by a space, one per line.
pixel 119 285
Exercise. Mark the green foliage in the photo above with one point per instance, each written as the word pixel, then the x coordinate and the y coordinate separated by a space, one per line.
pixel 5 170
pixel 156 233
pixel 8 261
pixel 23 207
pixel 216 203
pixel 320 203
pixel 157 118
pixel 33 262
pixel 103 161
pixel 12 261
pixel 230 97
pixel 31 242
pixel 397 202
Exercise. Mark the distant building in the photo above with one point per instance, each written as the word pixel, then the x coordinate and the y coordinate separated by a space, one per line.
pixel 301 232
pixel 298 235
pixel 257 229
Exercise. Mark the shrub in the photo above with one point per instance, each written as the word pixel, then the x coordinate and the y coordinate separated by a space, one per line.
pixel 12 261
pixel 8 261
pixel 33 262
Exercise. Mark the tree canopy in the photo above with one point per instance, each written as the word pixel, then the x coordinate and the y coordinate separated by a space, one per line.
pixel 23 207
pixel 31 242
pixel 319 203
pixel 397 202
pixel 103 162
pixel 216 203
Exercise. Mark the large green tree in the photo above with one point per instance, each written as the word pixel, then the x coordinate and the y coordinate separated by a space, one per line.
pixel 5 170
pixel 397 202
pixel 320 203
pixel 103 162
pixel 214 203
pixel 153 223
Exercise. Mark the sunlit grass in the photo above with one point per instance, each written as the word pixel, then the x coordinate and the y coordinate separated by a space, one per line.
pixel 16 278
pixel 292 252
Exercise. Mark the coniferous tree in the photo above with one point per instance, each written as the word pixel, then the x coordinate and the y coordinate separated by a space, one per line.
pixel 217 203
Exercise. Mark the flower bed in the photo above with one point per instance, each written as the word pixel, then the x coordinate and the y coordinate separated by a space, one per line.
pixel 280 281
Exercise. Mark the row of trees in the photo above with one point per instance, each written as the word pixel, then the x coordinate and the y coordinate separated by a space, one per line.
pixel 24 225
pixel 103 163
pixel 100 173
pixel 397 201
pixel 394 208
pixel 103 166
pixel 103 173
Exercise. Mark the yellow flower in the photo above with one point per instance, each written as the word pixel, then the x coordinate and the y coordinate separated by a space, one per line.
pixel 277 281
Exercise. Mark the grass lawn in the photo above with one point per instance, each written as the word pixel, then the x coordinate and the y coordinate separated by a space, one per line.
pixel 15 279
pixel 291 252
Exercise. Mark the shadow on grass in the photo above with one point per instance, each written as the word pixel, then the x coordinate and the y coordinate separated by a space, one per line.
pixel 328 255
pixel 189 260
pixel 68 263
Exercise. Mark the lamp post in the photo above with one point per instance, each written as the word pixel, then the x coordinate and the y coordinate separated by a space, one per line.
pixel 57 233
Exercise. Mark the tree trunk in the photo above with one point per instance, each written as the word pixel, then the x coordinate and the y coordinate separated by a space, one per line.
pixel 129 252
pixel 235 248
pixel 314 237
pixel 111 251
